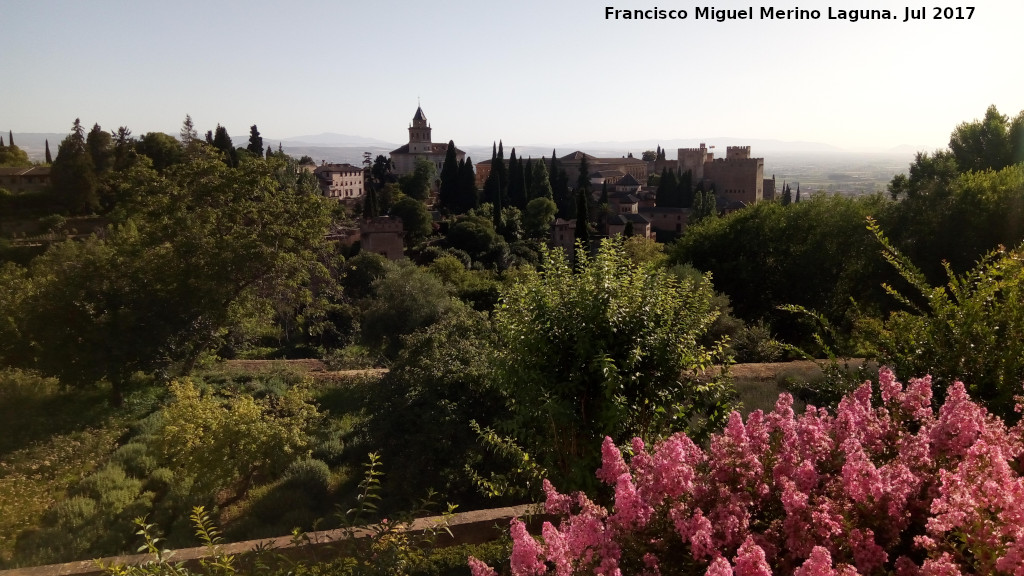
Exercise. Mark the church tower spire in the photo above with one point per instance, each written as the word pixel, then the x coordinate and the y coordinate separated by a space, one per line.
pixel 419 133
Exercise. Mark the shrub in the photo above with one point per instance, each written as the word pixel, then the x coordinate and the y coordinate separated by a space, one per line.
pixel 111 487
pixel 218 441
pixel 605 347
pixel 309 475
pixel 135 459
pixel 971 329
pixel 72 513
pixel 896 488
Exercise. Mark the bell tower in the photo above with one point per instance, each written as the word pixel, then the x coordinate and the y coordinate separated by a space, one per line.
pixel 419 133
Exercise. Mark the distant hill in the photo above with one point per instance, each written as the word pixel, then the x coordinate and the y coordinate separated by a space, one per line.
pixel 332 139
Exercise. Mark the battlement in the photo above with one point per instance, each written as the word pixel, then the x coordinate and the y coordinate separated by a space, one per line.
pixel 700 150
pixel 381 224
pixel 739 161
pixel 737 152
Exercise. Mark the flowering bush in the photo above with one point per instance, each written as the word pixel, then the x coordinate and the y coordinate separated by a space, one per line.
pixel 896 488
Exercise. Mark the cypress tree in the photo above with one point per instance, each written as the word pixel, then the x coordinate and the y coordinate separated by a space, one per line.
pixel 541 186
pixel 501 170
pixel 492 185
pixel 628 231
pixel 447 194
pixel 798 192
pixel 583 180
pixel 668 190
pixel 468 198
pixel 528 179
pixel 496 209
pixel 371 205
pixel 685 187
pixel 255 146
pixel 604 193
pixel 222 142
pixel 582 212
pixel 787 194
pixel 553 171
pixel 49 159
pixel 10 137
pixel 516 182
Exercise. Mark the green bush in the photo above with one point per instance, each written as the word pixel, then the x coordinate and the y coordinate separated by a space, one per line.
pixel 330 450
pixel 160 481
pixel 310 475
pixel 73 513
pixel 111 487
pixel 351 357
pixel 135 459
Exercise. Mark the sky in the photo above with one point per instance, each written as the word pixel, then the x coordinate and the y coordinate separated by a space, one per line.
pixel 528 72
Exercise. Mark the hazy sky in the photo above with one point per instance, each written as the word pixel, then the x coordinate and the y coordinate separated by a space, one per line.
pixel 525 71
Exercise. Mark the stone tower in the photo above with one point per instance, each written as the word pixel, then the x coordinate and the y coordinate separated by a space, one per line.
pixel 419 134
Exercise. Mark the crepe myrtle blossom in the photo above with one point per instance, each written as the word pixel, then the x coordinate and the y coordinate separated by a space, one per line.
pixel 896 486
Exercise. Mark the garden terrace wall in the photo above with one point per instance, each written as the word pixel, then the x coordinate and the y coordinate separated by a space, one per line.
pixel 475 527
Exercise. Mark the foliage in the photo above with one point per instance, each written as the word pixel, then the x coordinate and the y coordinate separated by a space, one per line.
pixel 416 221
pixel 163 149
pixel 13 156
pixel 418 184
pixel 159 288
pixel 898 488
pixel 421 410
pixel 971 329
pixel 987 144
pixel 404 300
pixel 611 349
pixel 220 441
pixel 73 175
pixel 815 254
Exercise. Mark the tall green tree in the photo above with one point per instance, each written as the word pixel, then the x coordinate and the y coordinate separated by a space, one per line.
pixel 222 141
pixel 492 185
pixel 189 136
pixel 72 175
pixel 468 196
pixel 448 193
pixel 124 154
pixel 583 181
pixel 516 182
pixel 983 144
pixel 582 217
pixel 255 146
pixel 101 150
pixel 667 193
pixel 562 195
pixel 49 158
pixel 540 186
pixel 418 184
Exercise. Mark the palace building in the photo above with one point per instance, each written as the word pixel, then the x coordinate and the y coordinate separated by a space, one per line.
pixel 404 159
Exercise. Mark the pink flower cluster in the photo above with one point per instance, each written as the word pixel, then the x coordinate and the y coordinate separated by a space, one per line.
pixel 890 489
